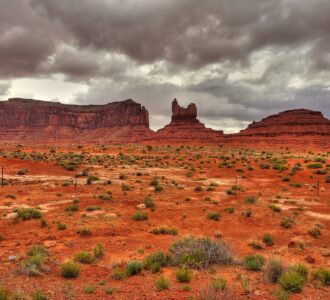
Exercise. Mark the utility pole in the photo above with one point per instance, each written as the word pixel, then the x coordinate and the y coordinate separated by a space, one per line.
pixel 2 176
pixel 318 187
pixel 75 180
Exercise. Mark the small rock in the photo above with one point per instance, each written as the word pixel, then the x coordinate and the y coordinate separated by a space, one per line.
pixel 12 257
pixel 49 244
pixel 141 206
pixel 310 259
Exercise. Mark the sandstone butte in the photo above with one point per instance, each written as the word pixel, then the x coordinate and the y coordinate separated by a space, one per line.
pixel 24 120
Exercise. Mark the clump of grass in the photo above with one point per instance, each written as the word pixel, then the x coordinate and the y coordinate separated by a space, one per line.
pixel 90 289
pixel 70 269
pixel 322 275
pixel 28 213
pixel 183 275
pixel 254 262
pixel 22 171
pixel 213 216
pixel 315 232
pixel 72 208
pixel 164 230
pixel 140 216
pixel 287 222
pixel 84 232
pixel 84 257
pixel 200 253
pixel 133 268
pixel 251 200
pixel 149 202
pixel 4 293
pixel 34 264
pixel 219 283
pixel 162 283
pixel 98 251
pixel 273 270
pixel 291 281
pixel 156 261
pixel 268 239
pixel 61 226
pixel 39 295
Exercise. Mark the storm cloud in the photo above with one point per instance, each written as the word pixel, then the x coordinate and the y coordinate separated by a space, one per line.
pixel 237 60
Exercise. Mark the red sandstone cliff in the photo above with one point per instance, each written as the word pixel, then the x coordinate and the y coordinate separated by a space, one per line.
pixel 185 127
pixel 33 120
pixel 292 127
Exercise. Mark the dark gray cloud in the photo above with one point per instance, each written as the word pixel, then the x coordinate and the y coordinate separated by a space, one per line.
pixel 237 60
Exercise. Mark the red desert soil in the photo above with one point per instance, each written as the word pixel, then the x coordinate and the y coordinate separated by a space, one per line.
pixel 194 181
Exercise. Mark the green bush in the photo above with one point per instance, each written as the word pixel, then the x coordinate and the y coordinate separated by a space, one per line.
pixel 162 283
pixel 291 281
pixel 84 257
pixel 268 239
pixel 149 202
pixel 322 275
pixel 70 269
pixel 183 275
pixel 28 213
pixel 287 222
pixel 254 262
pixel 302 270
pixel 164 230
pixel 38 295
pixel 133 268
pixel 90 289
pixel 155 261
pixel 140 216
pixel 213 216
pixel 251 200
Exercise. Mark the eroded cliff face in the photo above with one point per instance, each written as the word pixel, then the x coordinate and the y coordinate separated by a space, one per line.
pixel 33 120
pixel 296 122
pixel 185 127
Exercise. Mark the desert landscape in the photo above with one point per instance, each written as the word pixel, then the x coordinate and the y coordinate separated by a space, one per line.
pixel 186 212
pixel 164 150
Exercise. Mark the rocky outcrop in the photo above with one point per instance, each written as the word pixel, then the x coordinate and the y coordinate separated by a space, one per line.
pixel 185 127
pixel 296 122
pixel 33 120
pixel 295 127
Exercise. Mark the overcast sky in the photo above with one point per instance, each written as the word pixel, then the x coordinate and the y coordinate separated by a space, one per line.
pixel 238 60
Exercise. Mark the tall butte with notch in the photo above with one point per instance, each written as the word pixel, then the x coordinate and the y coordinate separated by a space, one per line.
pixel 185 127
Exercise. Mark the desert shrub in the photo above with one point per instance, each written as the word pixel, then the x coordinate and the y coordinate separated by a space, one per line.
pixel 322 275
pixel 98 251
pixel 219 283
pixel 61 226
pixel 84 232
pixel 198 189
pixel 89 289
pixel 275 208
pixel 105 197
pixel 281 294
pixel 255 245
pixel 292 281
pixel 251 200
pixel 287 222
pixel 273 270
pixel 301 269
pixel 208 293
pixel 214 215
pixel 149 202
pixel 268 239
pixel 200 253
pixel 315 232
pixel 140 216
pixel 162 283
pixel 28 213
pixel 39 295
pixel 4 293
pixel 158 188
pixel 37 250
pixel 155 261
pixel 72 208
pixel 84 257
pixel 22 171
pixel 93 208
pixel 109 290
pixel 254 262
pixel 164 230
pixel 133 268
pixel 183 275
pixel 70 269
pixel 230 209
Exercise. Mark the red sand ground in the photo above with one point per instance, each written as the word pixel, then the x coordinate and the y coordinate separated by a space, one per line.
pixel 125 239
